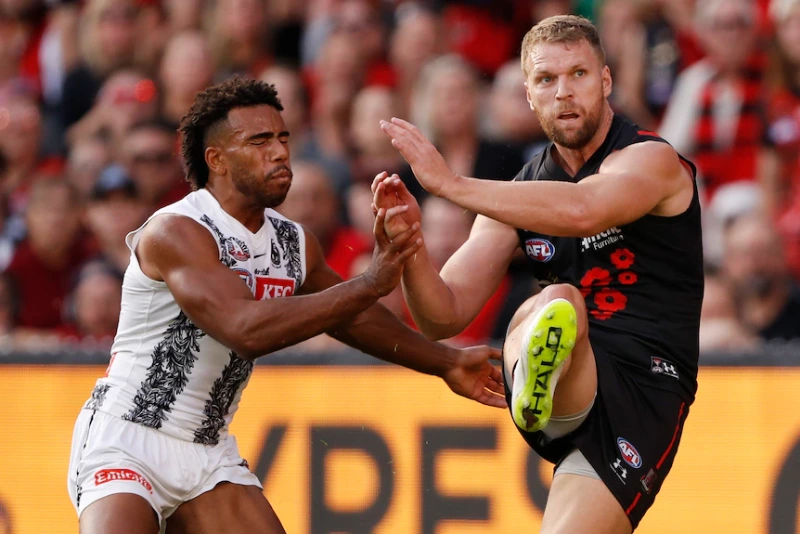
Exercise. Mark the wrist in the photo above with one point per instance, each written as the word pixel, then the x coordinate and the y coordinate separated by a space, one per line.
pixel 445 361
pixel 368 285
pixel 451 188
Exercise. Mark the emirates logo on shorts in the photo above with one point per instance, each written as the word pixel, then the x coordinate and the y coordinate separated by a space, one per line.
pixel 110 475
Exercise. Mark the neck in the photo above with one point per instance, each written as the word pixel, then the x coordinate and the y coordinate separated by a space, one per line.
pixel 238 206
pixel 573 159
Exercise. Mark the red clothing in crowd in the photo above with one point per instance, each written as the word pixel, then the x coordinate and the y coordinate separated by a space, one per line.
pixel 346 247
pixel 43 289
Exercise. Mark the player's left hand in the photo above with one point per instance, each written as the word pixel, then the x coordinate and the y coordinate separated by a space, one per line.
pixel 473 376
pixel 428 164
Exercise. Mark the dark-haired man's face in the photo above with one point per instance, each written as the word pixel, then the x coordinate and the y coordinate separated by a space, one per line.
pixel 257 154
pixel 567 87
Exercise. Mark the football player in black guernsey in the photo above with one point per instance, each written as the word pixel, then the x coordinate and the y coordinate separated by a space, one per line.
pixel 601 365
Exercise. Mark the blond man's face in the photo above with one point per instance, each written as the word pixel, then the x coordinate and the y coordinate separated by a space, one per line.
pixel 567 86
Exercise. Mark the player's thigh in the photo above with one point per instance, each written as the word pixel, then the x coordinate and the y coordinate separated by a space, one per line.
pixel 120 513
pixel 579 504
pixel 226 508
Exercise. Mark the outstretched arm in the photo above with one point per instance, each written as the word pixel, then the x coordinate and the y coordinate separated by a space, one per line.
pixel 643 178
pixel 378 332
pixel 443 304
pixel 178 251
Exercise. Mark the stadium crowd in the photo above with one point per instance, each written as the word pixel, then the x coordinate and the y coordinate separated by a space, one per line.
pixel 92 93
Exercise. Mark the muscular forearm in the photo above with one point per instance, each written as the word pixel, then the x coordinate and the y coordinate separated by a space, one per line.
pixel 378 332
pixel 547 207
pixel 429 299
pixel 261 327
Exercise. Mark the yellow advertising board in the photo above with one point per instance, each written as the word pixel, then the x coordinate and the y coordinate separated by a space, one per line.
pixel 385 450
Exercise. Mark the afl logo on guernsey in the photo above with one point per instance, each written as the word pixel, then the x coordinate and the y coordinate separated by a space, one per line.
pixel 629 453
pixel 245 275
pixel 237 249
pixel 540 250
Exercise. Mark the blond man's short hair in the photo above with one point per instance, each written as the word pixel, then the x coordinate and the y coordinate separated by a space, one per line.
pixel 561 29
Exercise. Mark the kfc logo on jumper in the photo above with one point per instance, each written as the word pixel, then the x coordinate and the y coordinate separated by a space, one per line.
pixel 272 288
pixel 629 453
pixel 660 366
pixel 109 475
pixel 540 250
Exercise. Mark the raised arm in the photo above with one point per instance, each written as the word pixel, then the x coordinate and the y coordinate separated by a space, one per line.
pixel 178 251
pixel 642 178
pixel 443 304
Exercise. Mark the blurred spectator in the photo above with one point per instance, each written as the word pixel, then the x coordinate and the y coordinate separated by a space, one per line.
pixel 333 82
pixel 8 239
pixel 186 69
pixel 302 141
pixel 446 227
pixel 720 326
pixel 88 156
pixel 9 308
pixel 780 156
pixel 470 25
pixel 239 37
pixel 44 264
pixel 754 266
pixel 184 15
pixel 446 109
pixel 542 9
pixel 92 308
pixel 150 155
pixel 510 118
pixel 645 57
pixel 20 138
pixel 372 150
pixel 373 153
pixel 114 209
pixel 313 203
pixel 125 99
pixel 362 19
pixel 713 116
pixel 417 38
pixel 108 37
pixel 731 201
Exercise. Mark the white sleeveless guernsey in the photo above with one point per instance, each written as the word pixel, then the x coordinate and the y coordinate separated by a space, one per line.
pixel 166 373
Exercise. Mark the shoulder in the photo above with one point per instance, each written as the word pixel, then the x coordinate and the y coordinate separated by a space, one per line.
pixel 170 234
pixel 648 156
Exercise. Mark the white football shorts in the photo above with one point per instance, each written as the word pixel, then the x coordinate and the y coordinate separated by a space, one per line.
pixel 110 455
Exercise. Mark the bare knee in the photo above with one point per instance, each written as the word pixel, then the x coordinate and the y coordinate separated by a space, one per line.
pixel 574 296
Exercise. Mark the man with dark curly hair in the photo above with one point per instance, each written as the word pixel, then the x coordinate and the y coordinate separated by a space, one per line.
pixel 215 281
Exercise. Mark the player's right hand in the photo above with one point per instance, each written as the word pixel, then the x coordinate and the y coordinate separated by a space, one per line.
pixel 388 192
pixel 390 255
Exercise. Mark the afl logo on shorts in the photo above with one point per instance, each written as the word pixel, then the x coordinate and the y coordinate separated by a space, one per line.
pixel 540 250
pixel 629 453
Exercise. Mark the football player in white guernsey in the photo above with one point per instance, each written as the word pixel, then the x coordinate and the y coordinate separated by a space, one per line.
pixel 215 281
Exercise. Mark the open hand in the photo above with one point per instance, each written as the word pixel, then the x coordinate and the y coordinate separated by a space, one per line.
pixel 427 163
pixel 388 192
pixel 390 255
pixel 473 376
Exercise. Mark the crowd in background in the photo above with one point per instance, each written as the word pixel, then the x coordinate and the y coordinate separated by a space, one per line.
pixel 92 93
